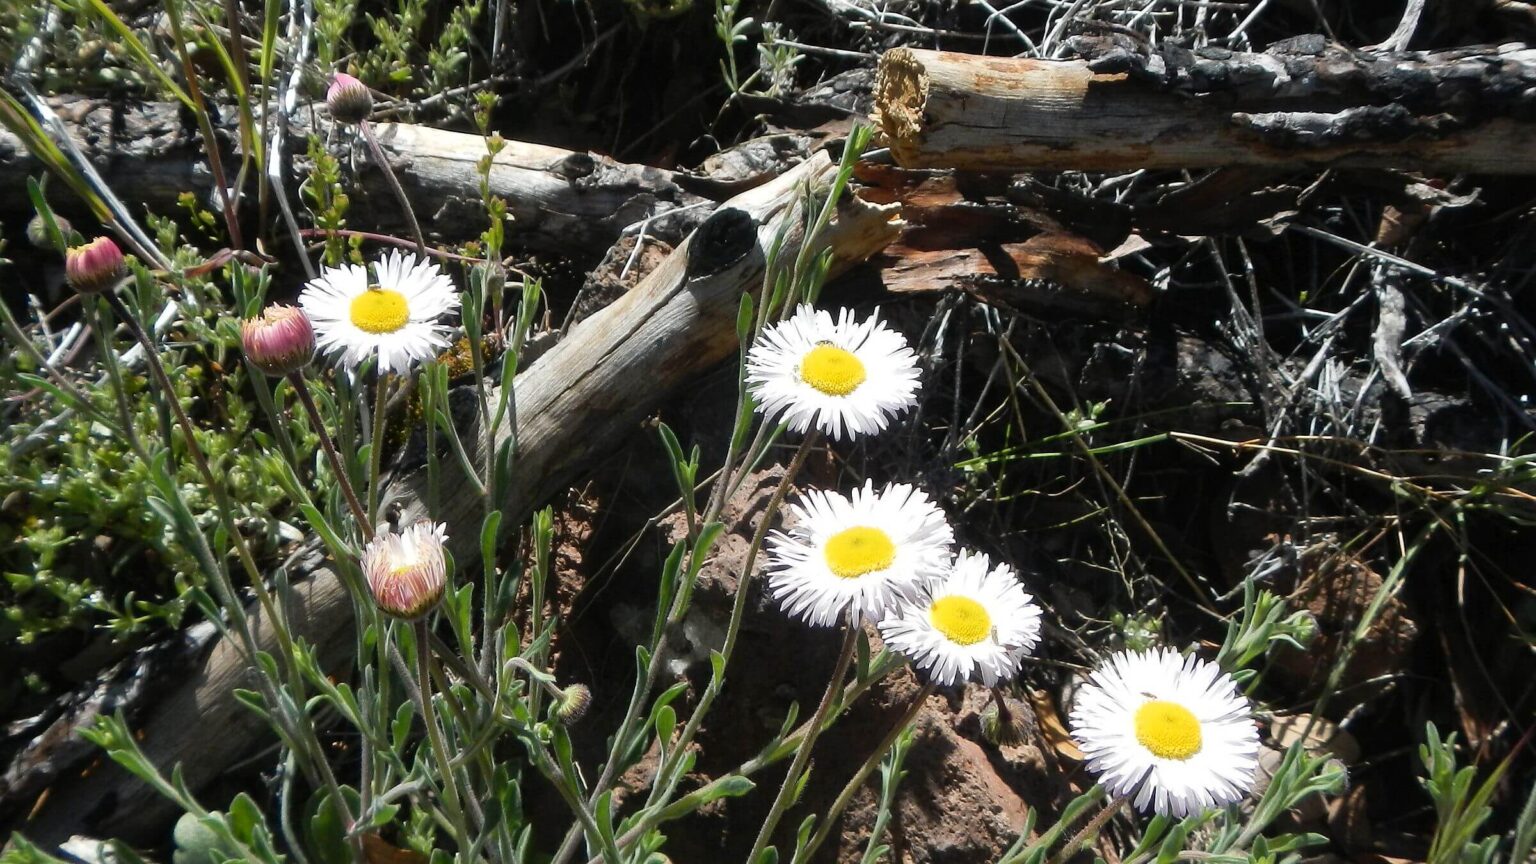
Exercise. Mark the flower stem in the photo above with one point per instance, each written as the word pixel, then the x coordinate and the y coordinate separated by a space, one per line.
pixel 301 731
pixel 1093 827
pixel 329 446
pixel 376 446
pixel 394 184
pixel 435 738
pixel 653 671
pixel 739 607
pixel 791 780
pixel 852 787
pixel 222 503
pixel 103 325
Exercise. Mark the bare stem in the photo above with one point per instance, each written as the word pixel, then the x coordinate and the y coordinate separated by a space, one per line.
pixel 394 184
pixel 1093 827
pixel 791 780
pixel 846 796
pixel 376 446
pixel 329 446
pixel 450 782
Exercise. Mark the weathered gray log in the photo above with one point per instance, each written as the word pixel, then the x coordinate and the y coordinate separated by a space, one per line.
pixel 562 200
pixel 582 398
pixel 1304 103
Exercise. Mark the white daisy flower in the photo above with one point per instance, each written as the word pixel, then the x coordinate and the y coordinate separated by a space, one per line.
pixel 395 315
pixel 848 375
pixel 1171 730
pixel 975 622
pixel 858 553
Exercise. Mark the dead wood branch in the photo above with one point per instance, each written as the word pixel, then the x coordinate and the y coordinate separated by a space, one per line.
pixel 582 398
pixel 1304 103
pixel 963 233
pixel 562 201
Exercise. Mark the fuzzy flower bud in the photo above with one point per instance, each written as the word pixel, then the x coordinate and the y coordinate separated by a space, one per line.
pixel 406 571
pixel 37 231
pixel 279 342
pixel 348 99
pixel 1002 726
pixel 94 267
pixel 574 702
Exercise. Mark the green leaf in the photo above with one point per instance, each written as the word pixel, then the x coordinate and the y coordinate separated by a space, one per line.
pixel 145 60
pixel 122 853
pixel 1173 846
pixel 666 724
pixel 1150 835
pixel 50 224
pixel 400 729
pixel 252 700
pixel 604 813
pixel 198 842
pixel 244 818
pixel 327 837
pixel 23 851
pixel 667 589
pixel 745 314
pixel 489 529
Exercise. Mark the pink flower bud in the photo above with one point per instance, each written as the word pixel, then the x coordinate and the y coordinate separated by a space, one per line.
pixel 94 267
pixel 406 571
pixel 279 342
pixel 348 99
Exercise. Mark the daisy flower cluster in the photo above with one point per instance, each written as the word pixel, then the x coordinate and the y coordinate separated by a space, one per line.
pixel 883 557
pixel 1172 734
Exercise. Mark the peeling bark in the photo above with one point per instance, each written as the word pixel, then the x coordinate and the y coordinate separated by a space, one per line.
pixel 1304 103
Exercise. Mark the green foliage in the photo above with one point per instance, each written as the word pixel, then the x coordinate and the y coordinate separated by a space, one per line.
pixel 81 543
pixel 328 204
pixel 1460 807
pixel 1261 625
pixel 413 51
pixel 891 775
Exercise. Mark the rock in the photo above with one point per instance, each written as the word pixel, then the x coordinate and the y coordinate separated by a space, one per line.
pixel 1337 587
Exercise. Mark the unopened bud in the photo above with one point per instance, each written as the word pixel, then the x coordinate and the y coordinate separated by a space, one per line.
pixel 348 99
pixel 1001 725
pixel 37 231
pixel 494 278
pixel 94 267
pixel 574 702
pixel 279 342
pixel 406 571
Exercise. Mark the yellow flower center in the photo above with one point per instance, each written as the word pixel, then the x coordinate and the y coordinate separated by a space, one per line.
pixel 962 620
pixel 380 310
pixel 853 552
pixel 1168 729
pixel 832 370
